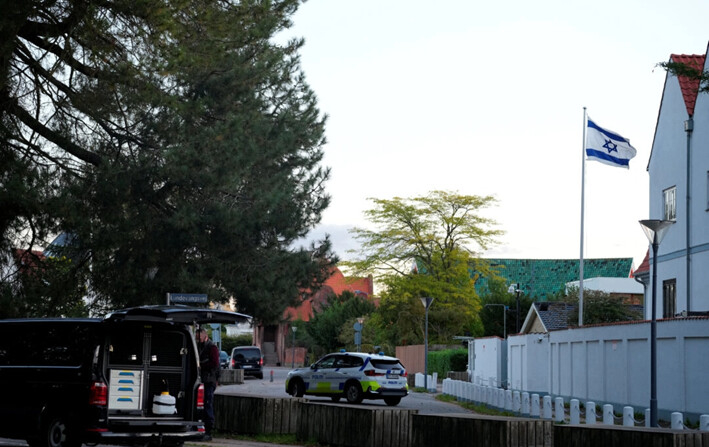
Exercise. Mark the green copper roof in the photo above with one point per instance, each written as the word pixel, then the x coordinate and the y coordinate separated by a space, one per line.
pixel 541 278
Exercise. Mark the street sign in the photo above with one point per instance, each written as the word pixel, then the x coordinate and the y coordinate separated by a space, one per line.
pixel 187 298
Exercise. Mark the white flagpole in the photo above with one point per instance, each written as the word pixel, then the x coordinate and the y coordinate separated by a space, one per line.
pixel 583 187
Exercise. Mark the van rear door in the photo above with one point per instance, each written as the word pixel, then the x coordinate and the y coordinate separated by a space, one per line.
pixel 178 314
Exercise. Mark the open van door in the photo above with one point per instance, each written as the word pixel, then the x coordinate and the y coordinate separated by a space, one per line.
pixel 178 314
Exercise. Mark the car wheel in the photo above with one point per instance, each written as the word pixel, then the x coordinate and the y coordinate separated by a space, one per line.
pixel 335 398
pixel 260 375
pixel 297 388
pixel 57 432
pixel 392 401
pixel 354 394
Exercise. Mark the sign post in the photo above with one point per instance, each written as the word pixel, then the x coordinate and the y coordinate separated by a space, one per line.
pixel 186 298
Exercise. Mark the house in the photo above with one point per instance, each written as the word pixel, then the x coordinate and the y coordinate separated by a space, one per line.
pixel 545 317
pixel 679 192
pixel 273 339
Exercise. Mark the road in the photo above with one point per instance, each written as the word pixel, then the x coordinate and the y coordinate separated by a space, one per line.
pixel 425 403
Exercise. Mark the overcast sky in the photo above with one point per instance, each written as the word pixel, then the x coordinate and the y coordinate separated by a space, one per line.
pixel 486 98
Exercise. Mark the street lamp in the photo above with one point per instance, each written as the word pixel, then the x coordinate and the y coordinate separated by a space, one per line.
pixel 504 318
pixel 292 364
pixel 655 230
pixel 514 288
pixel 426 304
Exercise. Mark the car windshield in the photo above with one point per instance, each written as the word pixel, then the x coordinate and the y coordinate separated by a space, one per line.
pixel 386 364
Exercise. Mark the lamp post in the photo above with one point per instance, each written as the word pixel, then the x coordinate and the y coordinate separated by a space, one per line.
pixel 514 288
pixel 426 304
pixel 504 318
pixel 655 230
pixel 292 365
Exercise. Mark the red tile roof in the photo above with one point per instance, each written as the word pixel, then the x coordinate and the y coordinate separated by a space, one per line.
pixel 334 285
pixel 644 266
pixel 689 87
pixel 27 260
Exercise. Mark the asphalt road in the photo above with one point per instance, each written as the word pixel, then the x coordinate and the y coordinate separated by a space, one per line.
pixel 425 403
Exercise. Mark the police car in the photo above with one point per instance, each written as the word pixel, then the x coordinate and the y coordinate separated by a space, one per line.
pixel 352 375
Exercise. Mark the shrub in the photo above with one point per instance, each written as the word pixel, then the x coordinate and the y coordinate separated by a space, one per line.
pixel 447 360
pixel 229 343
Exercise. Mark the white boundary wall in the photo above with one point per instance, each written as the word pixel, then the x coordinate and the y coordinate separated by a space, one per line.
pixel 611 364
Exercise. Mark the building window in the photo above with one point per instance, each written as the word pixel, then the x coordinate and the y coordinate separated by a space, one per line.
pixel 669 195
pixel 669 298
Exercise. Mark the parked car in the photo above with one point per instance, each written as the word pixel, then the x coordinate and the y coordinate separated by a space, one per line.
pixel 248 358
pixel 129 378
pixel 352 375
pixel 223 359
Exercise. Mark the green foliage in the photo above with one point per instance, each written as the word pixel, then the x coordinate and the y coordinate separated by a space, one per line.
pixel 437 234
pixel 231 342
pixel 691 72
pixel 447 360
pixel 176 142
pixel 329 322
pixel 600 307
pixel 47 289
pixel 493 303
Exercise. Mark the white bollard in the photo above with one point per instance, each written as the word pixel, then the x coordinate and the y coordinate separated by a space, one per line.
pixel 676 421
pixel 628 419
pixel 546 404
pixel 516 402
pixel 608 416
pixel 433 383
pixel 508 400
pixel 559 415
pixel 534 410
pixel 575 412
pixel 704 422
pixel 418 381
pixel 525 403
pixel 591 416
pixel 647 417
pixel 501 398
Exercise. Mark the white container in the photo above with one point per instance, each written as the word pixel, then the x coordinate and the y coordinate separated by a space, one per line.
pixel 164 404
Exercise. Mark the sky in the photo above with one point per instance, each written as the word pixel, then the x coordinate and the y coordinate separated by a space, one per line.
pixel 487 98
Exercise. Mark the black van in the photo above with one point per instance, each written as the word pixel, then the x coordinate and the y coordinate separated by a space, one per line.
pixel 248 358
pixel 130 378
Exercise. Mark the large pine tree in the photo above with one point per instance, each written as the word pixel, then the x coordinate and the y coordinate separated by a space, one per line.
pixel 176 142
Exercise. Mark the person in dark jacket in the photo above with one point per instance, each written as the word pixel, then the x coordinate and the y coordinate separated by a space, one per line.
pixel 209 372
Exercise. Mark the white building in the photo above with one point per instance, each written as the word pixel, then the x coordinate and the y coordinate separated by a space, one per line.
pixel 679 191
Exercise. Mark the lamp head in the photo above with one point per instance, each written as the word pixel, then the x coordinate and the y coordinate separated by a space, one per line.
pixel 655 229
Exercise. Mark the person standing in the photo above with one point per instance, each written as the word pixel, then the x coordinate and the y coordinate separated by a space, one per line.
pixel 209 372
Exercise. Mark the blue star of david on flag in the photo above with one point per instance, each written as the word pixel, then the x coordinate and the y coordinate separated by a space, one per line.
pixel 608 147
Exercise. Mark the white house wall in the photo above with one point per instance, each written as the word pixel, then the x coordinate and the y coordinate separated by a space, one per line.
pixel 667 168
pixel 611 364
pixel 699 215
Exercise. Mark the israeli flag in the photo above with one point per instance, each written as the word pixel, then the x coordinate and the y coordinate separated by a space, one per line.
pixel 608 147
